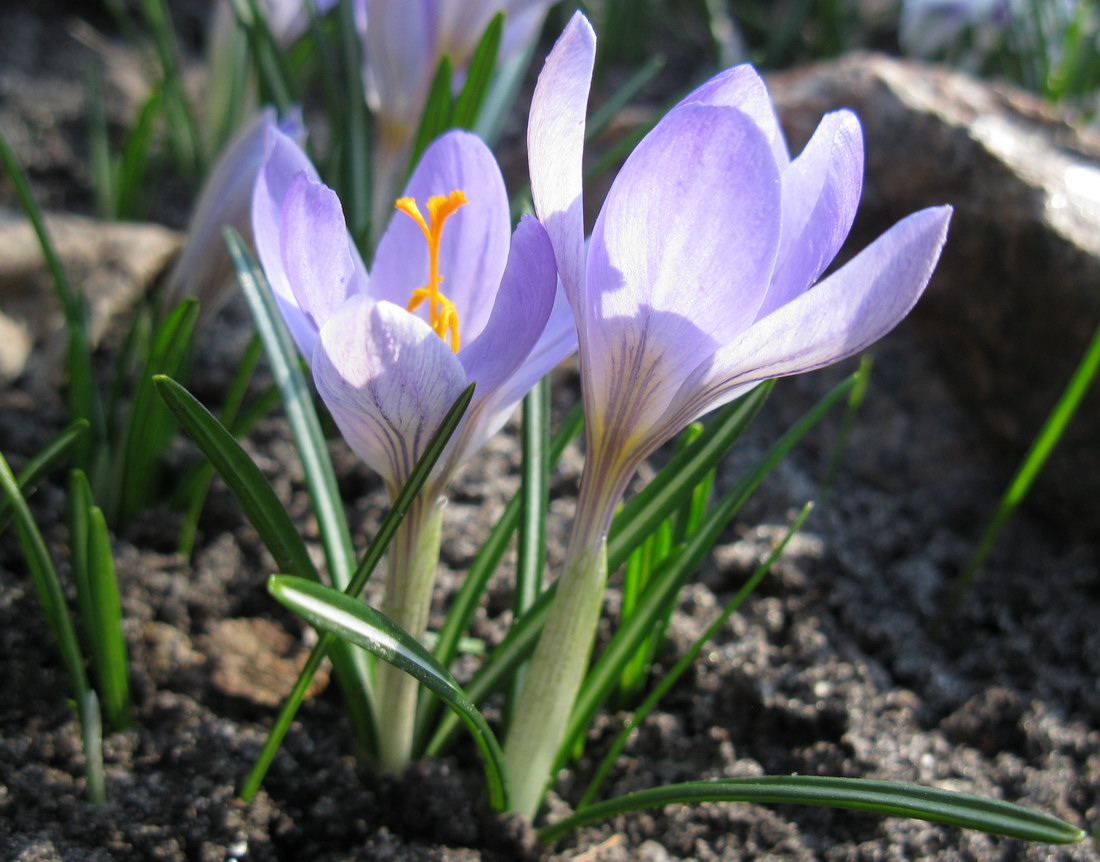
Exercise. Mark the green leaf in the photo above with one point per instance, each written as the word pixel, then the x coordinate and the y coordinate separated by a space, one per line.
pixel 676 483
pixel 859 794
pixel 243 478
pixel 438 109
pixel 91 727
pixel 356 123
pixel 282 356
pixel 109 654
pixel 479 75
pixel 351 620
pixel 41 464
pixel 270 67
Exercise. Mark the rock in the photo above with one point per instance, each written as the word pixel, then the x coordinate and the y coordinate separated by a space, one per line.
pixel 112 262
pixel 1017 294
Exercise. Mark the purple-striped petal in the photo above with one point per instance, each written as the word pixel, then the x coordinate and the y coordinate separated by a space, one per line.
pixel 474 248
pixel 681 255
pixel 841 316
pixel 388 381
pixel 555 146
pixel 820 195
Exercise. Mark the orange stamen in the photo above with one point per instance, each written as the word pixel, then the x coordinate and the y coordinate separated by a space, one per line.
pixel 442 314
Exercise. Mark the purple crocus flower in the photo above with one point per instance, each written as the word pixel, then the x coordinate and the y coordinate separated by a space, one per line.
pixel 450 301
pixel 697 284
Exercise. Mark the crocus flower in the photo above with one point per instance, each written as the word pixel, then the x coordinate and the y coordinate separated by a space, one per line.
pixel 203 269
pixel 697 284
pixel 449 302
pixel 404 43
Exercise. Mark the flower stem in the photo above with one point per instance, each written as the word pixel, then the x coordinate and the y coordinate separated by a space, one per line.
pixel 413 558
pixel 560 660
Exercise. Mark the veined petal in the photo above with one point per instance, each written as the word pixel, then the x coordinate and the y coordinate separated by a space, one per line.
pixel 500 360
pixel 388 381
pixel 285 161
pixel 742 87
pixel 555 146
pixel 845 313
pixel 313 239
pixel 474 248
pixel 821 191
pixel 680 257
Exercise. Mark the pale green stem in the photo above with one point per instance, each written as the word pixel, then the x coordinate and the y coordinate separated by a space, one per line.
pixel 561 657
pixel 411 565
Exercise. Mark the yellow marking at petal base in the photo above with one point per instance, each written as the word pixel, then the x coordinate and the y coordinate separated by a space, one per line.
pixel 442 315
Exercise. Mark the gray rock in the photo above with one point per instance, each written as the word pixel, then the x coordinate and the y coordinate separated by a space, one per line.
pixel 1017 294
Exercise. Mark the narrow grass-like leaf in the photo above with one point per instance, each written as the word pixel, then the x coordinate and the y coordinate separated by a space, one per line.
pixel 109 654
pixel 602 116
pixel 309 441
pixel 479 75
pixel 149 426
pixel 438 110
pixel 685 661
pixel 677 481
pixel 347 618
pixel 680 564
pixel 859 794
pixel 47 585
pixel 367 565
pixel 271 70
pixel 855 402
pixel 99 146
pixel 242 477
pixel 357 132
pixel 132 168
pixel 80 504
pixel 1033 462
pixel 91 731
pixel 42 463
pixel 502 93
pixel 466 601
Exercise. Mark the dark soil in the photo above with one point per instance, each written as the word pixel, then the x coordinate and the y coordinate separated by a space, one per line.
pixel 833 667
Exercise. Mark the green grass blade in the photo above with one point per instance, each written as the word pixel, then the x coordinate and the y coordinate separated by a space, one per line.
pixel 1033 462
pixel 104 181
pixel 377 549
pixel 305 427
pixel 271 71
pixel 438 110
pixel 47 585
pixel 347 618
pixel 479 76
pixel 243 478
pixel 676 482
pixel 183 131
pixel 602 116
pixel 132 168
pixel 357 129
pixel 685 662
pixel 855 402
pixel 859 794
pixel 109 654
pixel 80 504
pixel 91 732
pixel 42 463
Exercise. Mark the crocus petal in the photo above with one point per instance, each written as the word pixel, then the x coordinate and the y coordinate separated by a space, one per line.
pixel 742 87
pixel 841 316
pixel 457 161
pixel 313 239
pixel 388 381
pixel 681 255
pixel 558 340
pixel 555 145
pixel 821 191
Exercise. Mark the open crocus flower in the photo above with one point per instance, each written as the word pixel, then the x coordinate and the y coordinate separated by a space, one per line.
pixel 698 283
pixel 450 301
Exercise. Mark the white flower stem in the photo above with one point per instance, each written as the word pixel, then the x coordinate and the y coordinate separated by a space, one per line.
pixel 560 660
pixel 411 567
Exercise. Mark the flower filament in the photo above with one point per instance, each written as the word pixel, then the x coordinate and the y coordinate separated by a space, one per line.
pixel 442 315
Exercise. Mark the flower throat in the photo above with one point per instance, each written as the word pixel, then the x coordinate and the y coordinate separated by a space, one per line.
pixel 442 315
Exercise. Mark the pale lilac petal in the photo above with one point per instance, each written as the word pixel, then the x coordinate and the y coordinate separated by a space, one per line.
pixel 388 381
pixel 555 146
pixel 680 257
pixel 841 316
pixel 399 58
pixel 519 314
pixel 474 249
pixel 742 87
pixel 821 191
pixel 284 163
